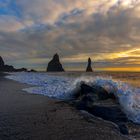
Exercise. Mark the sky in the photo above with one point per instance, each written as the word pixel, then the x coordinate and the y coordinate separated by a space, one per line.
pixel 108 31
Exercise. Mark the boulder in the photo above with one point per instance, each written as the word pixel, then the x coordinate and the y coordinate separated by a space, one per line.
pixel 98 102
pixel 87 95
pixel 89 68
pixel 94 91
pixel 111 113
pixel 8 68
pixel 32 70
pixel 54 65
pixel 21 70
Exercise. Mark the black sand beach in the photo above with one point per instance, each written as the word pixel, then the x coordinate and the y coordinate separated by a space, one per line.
pixel 25 116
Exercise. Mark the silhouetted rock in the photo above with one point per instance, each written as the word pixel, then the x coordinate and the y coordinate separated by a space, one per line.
pixel 134 129
pixel 1 62
pixel 54 65
pixel 111 113
pixel 97 101
pixel 32 70
pixel 8 68
pixel 87 95
pixel 20 70
pixel 94 92
pixel 89 68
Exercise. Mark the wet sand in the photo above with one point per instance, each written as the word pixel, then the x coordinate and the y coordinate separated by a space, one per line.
pixel 24 116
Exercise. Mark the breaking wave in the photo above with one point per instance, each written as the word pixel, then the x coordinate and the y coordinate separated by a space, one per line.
pixel 62 87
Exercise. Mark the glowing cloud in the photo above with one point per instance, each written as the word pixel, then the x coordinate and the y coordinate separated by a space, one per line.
pixel 108 31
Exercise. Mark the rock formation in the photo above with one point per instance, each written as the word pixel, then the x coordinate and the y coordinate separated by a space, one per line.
pixel 32 70
pixel 54 65
pixel 89 68
pixel 8 68
pixel 99 102
pixel 21 69
pixel 1 62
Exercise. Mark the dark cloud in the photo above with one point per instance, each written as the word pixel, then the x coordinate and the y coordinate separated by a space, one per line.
pixel 74 30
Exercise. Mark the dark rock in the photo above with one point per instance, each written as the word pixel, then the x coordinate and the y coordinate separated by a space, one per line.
pixel 98 102
pixel 110 113
pixel 134 130
pixel 1 62
pixel 54 65
pixel 89 68
pixel 93 91
pixel 87 95
pixel 32 70
pixel 8 68
pixel 21 70
pixel 123 129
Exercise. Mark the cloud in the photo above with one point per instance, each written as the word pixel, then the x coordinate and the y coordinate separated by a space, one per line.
pixel 106 30
pixel 48 11
pixel 10 24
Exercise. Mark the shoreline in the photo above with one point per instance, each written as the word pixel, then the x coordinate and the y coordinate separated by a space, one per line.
pixel 37 117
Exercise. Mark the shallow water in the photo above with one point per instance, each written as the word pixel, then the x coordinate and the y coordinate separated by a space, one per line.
pixel 125 86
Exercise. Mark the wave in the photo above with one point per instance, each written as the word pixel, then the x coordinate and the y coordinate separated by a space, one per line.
pixel 63 87
pixel 129 97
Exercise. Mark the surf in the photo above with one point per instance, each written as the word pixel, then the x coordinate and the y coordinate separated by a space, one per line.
pixel 63 87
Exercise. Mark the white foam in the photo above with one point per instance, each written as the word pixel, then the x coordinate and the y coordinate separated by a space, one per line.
pixel 61 87
pixel 42 83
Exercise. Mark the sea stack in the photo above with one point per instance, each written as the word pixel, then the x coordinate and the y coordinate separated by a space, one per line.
pixel 54 65
pixel 89 68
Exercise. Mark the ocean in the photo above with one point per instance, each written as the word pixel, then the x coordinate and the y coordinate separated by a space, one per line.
pixel 124 85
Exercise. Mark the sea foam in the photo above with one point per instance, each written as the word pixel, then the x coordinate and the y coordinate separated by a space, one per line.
pixel 62 87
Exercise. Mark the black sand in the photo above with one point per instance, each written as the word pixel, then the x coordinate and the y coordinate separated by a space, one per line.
pixel 34 117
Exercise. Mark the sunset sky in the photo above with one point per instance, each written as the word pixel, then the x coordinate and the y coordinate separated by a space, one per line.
pixel 108 31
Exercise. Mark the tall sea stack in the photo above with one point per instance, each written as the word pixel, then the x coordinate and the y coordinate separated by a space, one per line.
pixel 89 68
pixel 54 65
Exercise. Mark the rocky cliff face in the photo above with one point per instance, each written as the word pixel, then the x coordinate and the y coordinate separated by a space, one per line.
pixel 54 65
pixel 1 62
pixel 89 68
pixel 8 68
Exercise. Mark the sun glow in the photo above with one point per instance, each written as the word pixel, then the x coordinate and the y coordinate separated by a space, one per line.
pixel 129 53
pixel 105 56
pixel 131 58
pixel 127 69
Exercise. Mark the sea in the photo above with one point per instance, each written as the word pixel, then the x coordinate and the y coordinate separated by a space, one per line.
pixel 124 85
